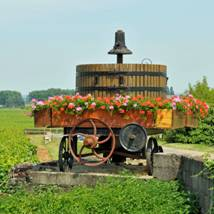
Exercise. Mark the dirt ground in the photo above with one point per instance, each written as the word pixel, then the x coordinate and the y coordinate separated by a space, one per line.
pixel 43 154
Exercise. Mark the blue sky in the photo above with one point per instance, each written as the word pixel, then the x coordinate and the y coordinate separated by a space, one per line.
pixel 42 41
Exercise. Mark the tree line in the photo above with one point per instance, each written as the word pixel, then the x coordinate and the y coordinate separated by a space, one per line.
pixel 11 99
pixel 45 94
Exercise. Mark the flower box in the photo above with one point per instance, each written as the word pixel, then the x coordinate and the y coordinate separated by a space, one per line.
pixel 53 118
pixel 165 119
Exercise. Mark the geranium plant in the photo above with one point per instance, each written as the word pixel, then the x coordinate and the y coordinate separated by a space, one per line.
pixel 77 104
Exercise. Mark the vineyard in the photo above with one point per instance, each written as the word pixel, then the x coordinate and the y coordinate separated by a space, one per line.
pixel 114 196
pixel 15 147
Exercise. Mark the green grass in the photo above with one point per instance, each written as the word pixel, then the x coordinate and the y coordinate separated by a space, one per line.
pixel 15 118
pixel 115 196
pixel 14 146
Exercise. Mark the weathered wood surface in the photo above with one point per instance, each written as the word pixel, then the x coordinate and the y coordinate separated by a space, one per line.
pixel 166 119
pixel 171 119
pixel 114 120
pixel 134 79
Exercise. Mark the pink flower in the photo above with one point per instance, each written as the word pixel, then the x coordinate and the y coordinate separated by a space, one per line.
pixel 174 105
pixel 71 106
pixel 40 103
pixel 93 104
pixel 78 108
pixel 176 99
pixel 122 111
pixel 50 98
pixel 59 98
pixel 111 107
pixel 33 106
pixel 33 100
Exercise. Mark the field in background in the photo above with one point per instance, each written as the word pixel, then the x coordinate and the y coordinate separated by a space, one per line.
pixel 15 118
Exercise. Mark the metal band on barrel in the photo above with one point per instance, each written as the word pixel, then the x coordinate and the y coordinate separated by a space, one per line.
pixel 163 89
pixel 125 73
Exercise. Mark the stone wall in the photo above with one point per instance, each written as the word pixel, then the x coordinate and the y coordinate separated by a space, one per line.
pixel 188 171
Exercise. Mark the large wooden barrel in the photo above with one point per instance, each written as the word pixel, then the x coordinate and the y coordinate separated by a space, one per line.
pixel 102 80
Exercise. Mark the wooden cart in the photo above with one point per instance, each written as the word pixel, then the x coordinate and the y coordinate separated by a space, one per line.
pixel 95 137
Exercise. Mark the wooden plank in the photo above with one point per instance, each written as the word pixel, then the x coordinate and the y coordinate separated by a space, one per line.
pixel 167 118
pixel 164 118
pixel 43 118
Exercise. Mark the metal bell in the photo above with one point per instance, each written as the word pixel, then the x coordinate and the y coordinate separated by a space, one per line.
pixel 120 47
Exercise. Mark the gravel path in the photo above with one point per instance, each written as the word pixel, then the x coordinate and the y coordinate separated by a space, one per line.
pixel 189 153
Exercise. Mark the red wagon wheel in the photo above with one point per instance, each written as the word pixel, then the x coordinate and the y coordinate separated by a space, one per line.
pixel 92 142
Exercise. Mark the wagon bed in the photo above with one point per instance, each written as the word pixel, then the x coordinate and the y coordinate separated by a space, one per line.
pixel 165 119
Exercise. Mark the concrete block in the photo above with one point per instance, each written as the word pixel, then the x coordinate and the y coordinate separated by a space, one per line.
pixel 166 166
pixel 166 160
pixel 195 183
pixel 73 179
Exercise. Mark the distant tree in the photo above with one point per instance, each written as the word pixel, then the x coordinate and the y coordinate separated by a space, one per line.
pixel 201 90
pixel 11 99
pixel 171 91
pixel 167 90
pixel 44 94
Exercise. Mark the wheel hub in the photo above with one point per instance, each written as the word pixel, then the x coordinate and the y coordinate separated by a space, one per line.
pixel 90 141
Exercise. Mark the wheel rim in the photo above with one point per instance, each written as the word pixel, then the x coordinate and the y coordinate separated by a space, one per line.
pixel 151 148
pixel 65 159
pixel 91 142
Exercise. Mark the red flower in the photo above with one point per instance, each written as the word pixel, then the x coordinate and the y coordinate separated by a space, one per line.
pixel 134 98
pixel 68 97
pixel 71 106
pixel 118 104
pixel 103 107
pixel 122 111
pixel 158 99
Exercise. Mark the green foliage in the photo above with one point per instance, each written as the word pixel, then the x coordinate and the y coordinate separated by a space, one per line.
pixel 14 146
pixel 202 91
pixel 11 99
pixel 203 134
pixel 209 165
pixel 114 196
pixel 44 94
